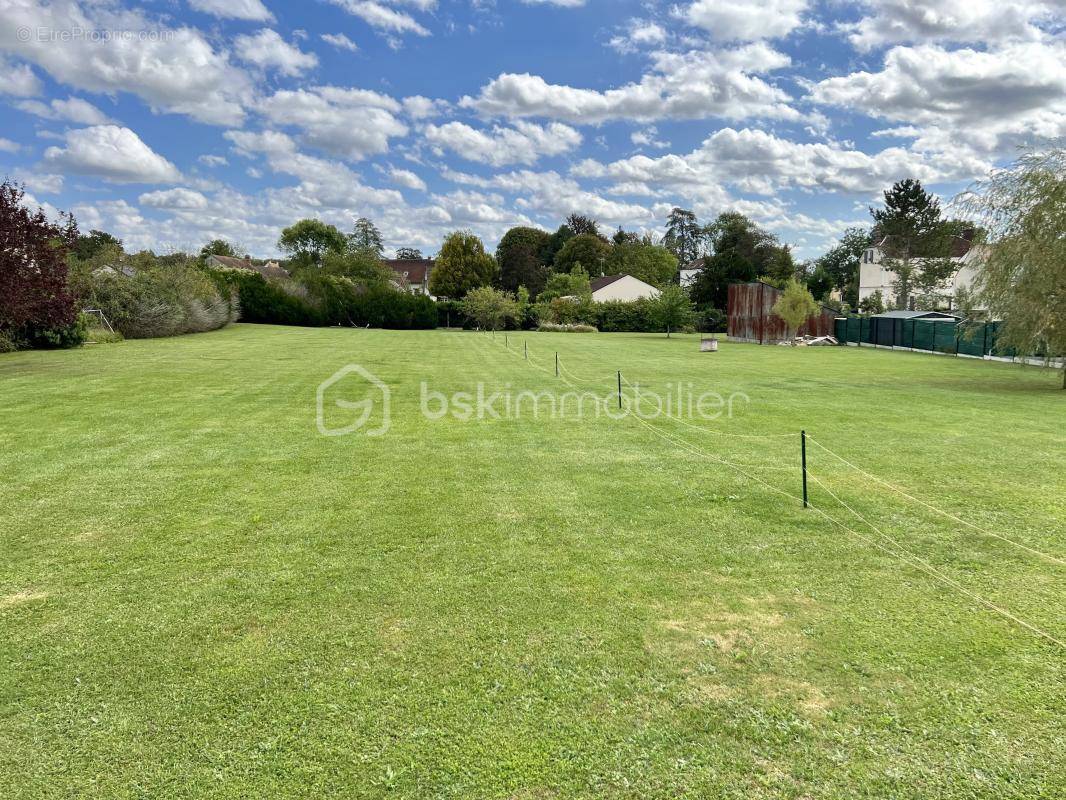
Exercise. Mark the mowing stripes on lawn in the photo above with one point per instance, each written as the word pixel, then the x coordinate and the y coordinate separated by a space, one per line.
pixel 701 429
pixel 203 597
pixel 947 514
pixel 926 566
pixel 901 552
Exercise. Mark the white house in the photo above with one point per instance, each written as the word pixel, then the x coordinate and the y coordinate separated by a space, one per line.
pixel 412 274
pixel 875 276
pixel 689 272
pixel 621 287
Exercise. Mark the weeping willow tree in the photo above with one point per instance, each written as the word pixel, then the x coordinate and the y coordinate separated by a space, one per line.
pixel 1022 281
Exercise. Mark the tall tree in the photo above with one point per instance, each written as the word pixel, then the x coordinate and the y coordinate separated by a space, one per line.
pixel 1022 279
pixel 408 254
pixel 89 245
pixel 647 262
pixel 915 243
pixel 842 262
pixel 780 265
pixel 742 251
pixel 519 259
pixel 733 232
pixel 307 241
pixel 911 215
pixel 34 295
pixel 555 244
pixel 711 287
pixel 581 225
pixel 365 237
pixel 586 249
pixel 819 282
pixel 462 265
pixel 684 236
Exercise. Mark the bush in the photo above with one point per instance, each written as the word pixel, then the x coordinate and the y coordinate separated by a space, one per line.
pixel 617 316
pixel 388 308
pixel 63 336
pixel 267 302
pixel 552 327
pixel 710 320
pixel 7 344
pixel 104 336
pixel 450 314
pixel 323 300
pixel 147 297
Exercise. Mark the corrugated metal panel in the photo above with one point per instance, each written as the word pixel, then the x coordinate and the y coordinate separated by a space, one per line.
pixel 751 316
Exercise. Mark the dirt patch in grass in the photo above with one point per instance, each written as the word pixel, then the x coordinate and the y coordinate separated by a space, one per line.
pixel 19 598
pixel 736 654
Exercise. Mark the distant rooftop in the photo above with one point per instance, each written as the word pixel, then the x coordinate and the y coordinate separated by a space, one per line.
pixel 604 281
pixel 915 315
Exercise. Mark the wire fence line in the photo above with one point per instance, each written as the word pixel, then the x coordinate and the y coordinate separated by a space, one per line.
pixel 918 561
pixel 702 429
pixel 947 514
pixel 896 550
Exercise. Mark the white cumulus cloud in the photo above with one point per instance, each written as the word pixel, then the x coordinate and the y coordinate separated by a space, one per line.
pixel 112 153
pixel 525 143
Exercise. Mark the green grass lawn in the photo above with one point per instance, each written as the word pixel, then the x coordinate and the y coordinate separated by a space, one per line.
pixel 201 596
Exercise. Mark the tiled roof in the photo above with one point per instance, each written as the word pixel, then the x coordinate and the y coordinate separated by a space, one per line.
pixel 268 270
pixel 416 270
pixel 604 281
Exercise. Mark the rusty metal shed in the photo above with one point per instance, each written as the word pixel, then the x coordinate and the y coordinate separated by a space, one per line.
pixel 751 317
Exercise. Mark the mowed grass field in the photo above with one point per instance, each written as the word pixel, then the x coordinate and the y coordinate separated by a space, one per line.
pixel 201 596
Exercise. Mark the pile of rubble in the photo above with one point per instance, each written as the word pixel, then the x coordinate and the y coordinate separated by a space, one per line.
pixel 810 341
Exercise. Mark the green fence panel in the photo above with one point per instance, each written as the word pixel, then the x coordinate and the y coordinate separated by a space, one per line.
pixel 884 331
pixel 906 332
pixel 866 330
pixel 922 335
pixel 854 323
pixel 995 348
pixel 972 339
pixel 840 330
pixel 944 337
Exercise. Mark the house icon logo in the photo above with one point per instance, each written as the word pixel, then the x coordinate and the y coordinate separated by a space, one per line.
pixel 358 398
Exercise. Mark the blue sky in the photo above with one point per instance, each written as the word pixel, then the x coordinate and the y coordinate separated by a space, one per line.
pixel 173 122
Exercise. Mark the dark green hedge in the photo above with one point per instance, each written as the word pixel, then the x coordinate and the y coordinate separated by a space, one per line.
pixel 265 302
pixel 617 316
pixel 325 301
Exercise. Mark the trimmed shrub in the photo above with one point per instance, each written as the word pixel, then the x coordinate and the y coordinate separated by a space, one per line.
pixel 267 302
pixel 450 314
pixel 617 316
pixel 326 300
pixel 552 327
pixel 388 308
